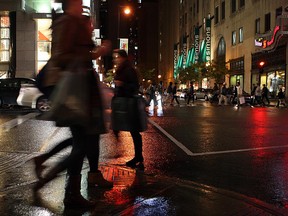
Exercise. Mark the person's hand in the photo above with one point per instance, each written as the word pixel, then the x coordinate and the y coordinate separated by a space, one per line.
pixel 104 49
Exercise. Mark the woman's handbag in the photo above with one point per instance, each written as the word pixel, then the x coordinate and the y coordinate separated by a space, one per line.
pixel 69 101
pixel 128 114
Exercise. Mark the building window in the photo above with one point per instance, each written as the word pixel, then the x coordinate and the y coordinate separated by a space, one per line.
pixel 237 65
pixel 267 22
pixel 233 6
pixel 233 38
pixel 241 3
pixel 241 35
pixel 257 26
pixel 4 38
pixel 216 16
pixel 43 42
pixel 222 10
pixel 278 12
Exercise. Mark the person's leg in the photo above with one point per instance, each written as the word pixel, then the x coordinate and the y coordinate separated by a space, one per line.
pixel 73 197
pixel 138 156
pixel 95 177
pixel 40 159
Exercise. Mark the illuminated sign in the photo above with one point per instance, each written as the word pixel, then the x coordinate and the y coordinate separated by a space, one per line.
pixel 184 50
pixel 123 44
pixel 196 43
pixel 264 43
pixel 175 55
pixel 208 40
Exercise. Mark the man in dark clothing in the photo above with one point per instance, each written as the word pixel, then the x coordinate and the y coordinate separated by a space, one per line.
pixel 174 91
pixel 265 92
pixel 190 93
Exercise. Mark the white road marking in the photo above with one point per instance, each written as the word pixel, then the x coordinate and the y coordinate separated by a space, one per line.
pixel 180 145
pixel 17 121
pixel 190 153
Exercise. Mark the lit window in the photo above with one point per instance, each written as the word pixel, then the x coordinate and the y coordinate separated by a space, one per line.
pixel 4 38
pixel 241 35
pixel 234 38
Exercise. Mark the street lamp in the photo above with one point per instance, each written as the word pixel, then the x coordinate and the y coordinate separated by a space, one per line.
pixel 126 10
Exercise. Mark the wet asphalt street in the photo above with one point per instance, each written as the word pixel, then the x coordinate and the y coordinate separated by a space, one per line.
pixel 240 150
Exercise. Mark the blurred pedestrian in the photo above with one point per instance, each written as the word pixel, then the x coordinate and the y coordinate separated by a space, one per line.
pixel 126 85
pixel 258 95
pixel 174 95
pixel 190 94
pixel 169 93
pixel 281 98
pixel 71 42
pixel 265 93
pixel 238 94
pixel 223 95
pixel 152 95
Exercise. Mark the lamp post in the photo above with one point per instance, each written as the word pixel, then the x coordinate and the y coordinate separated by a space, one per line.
pixel 126 10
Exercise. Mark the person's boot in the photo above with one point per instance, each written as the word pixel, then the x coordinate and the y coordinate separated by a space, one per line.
pixel 73 197
pixel 97 179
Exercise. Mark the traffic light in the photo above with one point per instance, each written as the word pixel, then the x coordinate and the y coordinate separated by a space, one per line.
pixel 261 67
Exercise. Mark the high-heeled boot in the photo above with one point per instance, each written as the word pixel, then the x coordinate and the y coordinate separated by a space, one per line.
pixel 73 197
pixel 97 179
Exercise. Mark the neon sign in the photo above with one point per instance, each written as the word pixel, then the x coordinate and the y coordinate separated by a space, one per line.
pixel 270 42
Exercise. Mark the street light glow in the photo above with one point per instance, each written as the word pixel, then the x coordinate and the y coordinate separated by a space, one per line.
pixel 127 10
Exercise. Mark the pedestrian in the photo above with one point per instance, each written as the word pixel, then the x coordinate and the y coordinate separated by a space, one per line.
pixel 190 93
pixel 174 94
pixel 238 94
pixel 258 95
pixel 169 92
pixel 160 91
pixel 223 95
pixel 281 98
pixel 265 93
pixel 253 99
pixel 126 85
pixel 152 93
pixel 71 42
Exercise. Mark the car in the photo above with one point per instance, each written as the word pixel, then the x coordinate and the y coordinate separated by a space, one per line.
pixel 10 88
pixel 202 93
pixel 30 96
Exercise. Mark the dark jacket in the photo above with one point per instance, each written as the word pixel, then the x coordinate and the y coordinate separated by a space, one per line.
pixel 128 75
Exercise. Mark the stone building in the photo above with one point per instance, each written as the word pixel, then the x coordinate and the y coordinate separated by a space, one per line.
pixel 243 33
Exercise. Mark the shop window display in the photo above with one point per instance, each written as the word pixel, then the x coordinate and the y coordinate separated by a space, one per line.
pixel 275 81
pixel 4 38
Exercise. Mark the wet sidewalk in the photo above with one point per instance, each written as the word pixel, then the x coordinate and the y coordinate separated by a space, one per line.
pixel 134 193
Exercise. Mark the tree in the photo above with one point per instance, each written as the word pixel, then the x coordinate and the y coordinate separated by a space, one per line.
pixel 217 70
pixel 109 76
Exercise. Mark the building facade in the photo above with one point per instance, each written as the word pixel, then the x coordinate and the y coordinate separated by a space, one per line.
pixel 243 33
pixel 26 35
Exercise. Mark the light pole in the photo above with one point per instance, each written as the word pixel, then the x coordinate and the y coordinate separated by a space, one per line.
pixel 126 10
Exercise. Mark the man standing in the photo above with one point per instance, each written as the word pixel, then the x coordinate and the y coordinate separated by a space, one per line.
pixel 190 94
pixel 265 92
pixel 223 95
pixel 174 91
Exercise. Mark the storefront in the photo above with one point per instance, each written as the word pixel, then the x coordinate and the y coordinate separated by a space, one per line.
pixel 274 70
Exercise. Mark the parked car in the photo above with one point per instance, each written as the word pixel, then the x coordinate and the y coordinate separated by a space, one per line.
pixel 202 93
pixel 30 96
pixel 10 88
